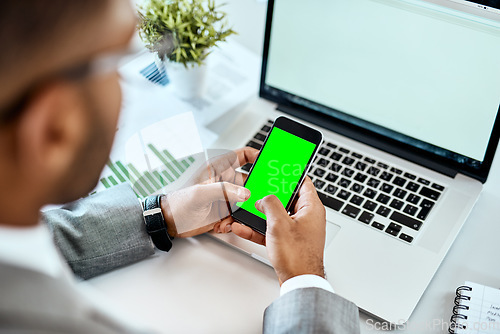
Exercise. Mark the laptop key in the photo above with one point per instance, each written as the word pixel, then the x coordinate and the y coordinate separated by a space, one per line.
pixel 331 177
pixel 324 151
pixel 387 188
pixel 393 229
pixel 427 204
pixel 369 160
pixel 330 202
pixel 356 155
pixel 406 221
pixel 348 161
pixel 331 145
pixel 344 150
pixel 383 199
pixel 260 136
pixel 361 166
pixel 370 193
pixel 400 193
pixel 357 200
pixel 319 172
pixel 426 207
pixel 344 182
pixel 410 209
pixel 429 193
pixel 246 167
pixel 412 186
pixel 373 182
pixel 266 128
pixel 369 205
pixel 343 194
pixel 397 171
pixel 406 237
pixel 331 189
pixel 378 226
pixel 413 199
pixel 386 176
pixel 382 165
pixel 373 171
pixel 357 187
pixel 366 217
pixel 383 211
pixel 360 177
pixel 319 184
pixel 336 156
pixel 322 162
pixel 424 181
pixel 351 211
pixel 437 187
pixel 410 176
pixel 335 167
pixel 399 181
pixel 396 204
pixel 348 172
pixel 254 145
pixel 424 212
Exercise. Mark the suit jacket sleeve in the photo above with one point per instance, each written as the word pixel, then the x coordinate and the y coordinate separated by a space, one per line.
pixel 101 232
pixel 311 310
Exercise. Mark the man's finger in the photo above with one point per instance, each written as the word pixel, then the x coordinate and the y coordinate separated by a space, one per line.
pixel 272 208
pixel 222 191
pixel 223 162
pixel 247 233
pixel 196 231
pixel 307 186
pixel 246 155
pixel 307 195
pixel 225 225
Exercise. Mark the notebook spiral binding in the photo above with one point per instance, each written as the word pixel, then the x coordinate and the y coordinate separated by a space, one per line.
pixel 454 325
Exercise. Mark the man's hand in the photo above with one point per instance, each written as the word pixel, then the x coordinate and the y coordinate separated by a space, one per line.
pixel 204 204
pixel 295 243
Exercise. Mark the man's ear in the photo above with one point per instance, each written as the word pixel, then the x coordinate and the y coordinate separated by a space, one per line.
pixel 51 130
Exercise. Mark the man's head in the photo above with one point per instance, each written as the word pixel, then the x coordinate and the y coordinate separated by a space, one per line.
pixel 57 117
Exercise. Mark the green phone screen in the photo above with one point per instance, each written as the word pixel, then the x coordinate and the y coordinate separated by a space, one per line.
pixel 278 169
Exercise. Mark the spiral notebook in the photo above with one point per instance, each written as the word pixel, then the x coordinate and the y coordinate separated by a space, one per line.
pixel 476 310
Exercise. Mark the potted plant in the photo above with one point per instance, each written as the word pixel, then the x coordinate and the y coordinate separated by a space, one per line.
pixel 181 34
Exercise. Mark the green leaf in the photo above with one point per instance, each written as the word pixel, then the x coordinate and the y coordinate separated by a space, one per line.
pixel 194 26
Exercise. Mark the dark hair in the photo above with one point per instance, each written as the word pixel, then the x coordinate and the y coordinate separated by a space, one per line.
pixel 30 30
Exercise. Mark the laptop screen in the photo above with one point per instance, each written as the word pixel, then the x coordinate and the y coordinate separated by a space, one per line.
pixel 489 5
pixel 420 73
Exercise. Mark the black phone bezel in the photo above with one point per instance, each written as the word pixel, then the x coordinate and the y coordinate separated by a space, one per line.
pixel 300 130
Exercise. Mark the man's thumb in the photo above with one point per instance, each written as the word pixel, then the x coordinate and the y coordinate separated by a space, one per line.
pixel 271 207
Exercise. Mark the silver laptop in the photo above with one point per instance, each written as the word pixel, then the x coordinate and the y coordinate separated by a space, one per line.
pixel 407 95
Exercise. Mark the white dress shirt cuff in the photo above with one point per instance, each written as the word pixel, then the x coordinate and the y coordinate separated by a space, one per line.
pixel 305 281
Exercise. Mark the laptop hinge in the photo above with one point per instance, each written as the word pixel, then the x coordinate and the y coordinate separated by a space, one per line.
pixel 368 138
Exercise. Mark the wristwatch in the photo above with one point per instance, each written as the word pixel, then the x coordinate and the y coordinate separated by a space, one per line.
pixel 155 223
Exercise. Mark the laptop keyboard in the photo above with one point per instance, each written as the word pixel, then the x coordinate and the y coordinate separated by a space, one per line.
pixel 372 192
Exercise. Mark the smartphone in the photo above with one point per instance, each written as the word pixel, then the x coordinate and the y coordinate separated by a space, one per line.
pixel 280 169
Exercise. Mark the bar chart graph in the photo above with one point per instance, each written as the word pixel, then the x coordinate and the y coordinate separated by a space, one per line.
pixel 147 182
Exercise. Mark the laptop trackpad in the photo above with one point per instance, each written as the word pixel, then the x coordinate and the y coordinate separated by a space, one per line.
pixel 331 231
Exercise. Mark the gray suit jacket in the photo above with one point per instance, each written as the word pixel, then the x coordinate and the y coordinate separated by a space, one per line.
pixel 106 231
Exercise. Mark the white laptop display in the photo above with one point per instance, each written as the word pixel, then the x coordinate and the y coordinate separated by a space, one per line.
pixel 407 95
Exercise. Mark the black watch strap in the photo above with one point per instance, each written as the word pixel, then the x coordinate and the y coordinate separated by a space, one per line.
pixel 155 223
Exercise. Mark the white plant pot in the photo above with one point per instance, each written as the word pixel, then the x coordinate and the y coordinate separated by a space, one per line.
pixel 188 82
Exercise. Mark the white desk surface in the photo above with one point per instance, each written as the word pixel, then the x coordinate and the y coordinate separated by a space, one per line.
pixel 202 286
